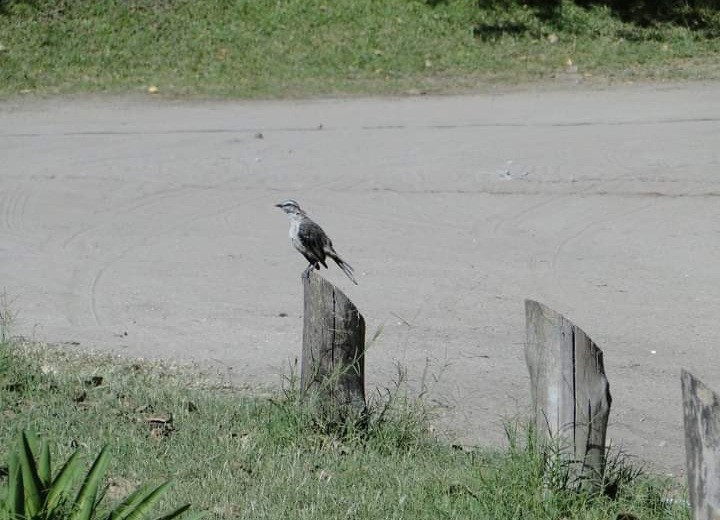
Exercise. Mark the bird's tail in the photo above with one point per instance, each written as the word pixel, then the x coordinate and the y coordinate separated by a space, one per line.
pixel 346 268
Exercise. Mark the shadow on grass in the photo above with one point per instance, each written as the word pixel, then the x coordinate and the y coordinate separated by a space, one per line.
pixel 516 17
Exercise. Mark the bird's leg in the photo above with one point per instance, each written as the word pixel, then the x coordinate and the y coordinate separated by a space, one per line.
pixel 306 272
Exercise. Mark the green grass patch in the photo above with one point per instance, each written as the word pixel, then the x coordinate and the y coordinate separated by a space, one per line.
pixel 271 48
pixel 241 456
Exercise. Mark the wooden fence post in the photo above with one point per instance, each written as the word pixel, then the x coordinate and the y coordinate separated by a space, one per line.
pixel 333 363
pixel 701 413
pixel 570 393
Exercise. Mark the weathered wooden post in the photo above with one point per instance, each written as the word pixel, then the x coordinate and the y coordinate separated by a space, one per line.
pixel 333 363
pixel 570 393
pixel 701 412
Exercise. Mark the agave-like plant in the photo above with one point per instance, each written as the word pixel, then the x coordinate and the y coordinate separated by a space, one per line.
pixel 31 492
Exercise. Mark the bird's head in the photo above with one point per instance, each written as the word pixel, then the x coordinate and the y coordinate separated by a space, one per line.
pixel 291 207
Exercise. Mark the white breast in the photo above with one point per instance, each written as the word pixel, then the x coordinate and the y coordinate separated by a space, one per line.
pixel 294 228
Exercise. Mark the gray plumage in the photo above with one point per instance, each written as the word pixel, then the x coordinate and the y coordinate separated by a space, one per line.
pixel 311 241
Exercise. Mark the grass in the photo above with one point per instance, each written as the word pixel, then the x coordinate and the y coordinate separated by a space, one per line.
pixel 241 456
pixel 273 48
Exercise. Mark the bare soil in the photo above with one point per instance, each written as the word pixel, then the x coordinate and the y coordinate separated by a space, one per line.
pixel 146 227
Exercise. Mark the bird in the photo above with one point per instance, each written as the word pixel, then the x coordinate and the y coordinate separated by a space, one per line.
pixel 311 241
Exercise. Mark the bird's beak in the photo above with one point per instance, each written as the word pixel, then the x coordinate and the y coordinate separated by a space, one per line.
pixel 278 205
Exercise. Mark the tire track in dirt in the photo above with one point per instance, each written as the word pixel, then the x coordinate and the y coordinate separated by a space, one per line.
pixel 562 245
pixel 173 200
pixel 14 204
pixel 130 214
pixel 179 198
pixel 503 219
pixel 13 224
pixel 144 201
pixel 612 160
pixel 219 211
pixel 515 217
pixel 112 220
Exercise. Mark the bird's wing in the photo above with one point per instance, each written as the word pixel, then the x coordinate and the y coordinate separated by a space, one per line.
pixel 314 239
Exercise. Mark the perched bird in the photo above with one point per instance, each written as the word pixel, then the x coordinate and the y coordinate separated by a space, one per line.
pixel 311 240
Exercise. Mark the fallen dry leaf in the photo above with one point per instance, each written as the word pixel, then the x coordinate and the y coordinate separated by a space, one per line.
pixel 160 426
pixel 119 487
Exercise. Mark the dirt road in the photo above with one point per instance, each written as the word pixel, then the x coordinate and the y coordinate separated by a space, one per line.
pixel 147 228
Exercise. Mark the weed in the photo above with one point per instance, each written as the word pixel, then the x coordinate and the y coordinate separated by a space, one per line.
pixel 7 317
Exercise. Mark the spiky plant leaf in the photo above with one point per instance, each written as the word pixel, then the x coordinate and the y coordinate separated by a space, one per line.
pixel 85 502
pixel 44 465
pixel 176 513
pixel 32 438
pixel 140 501
pixel 193 516
pixel 31 480
pixel 16 493
pixel 32 494
pixel 147 502
pixel 125 507
pixel 5 513
pixel 61 487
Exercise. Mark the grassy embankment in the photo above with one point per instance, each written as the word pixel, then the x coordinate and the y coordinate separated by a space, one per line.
pixel 241 456
pixel 270 48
